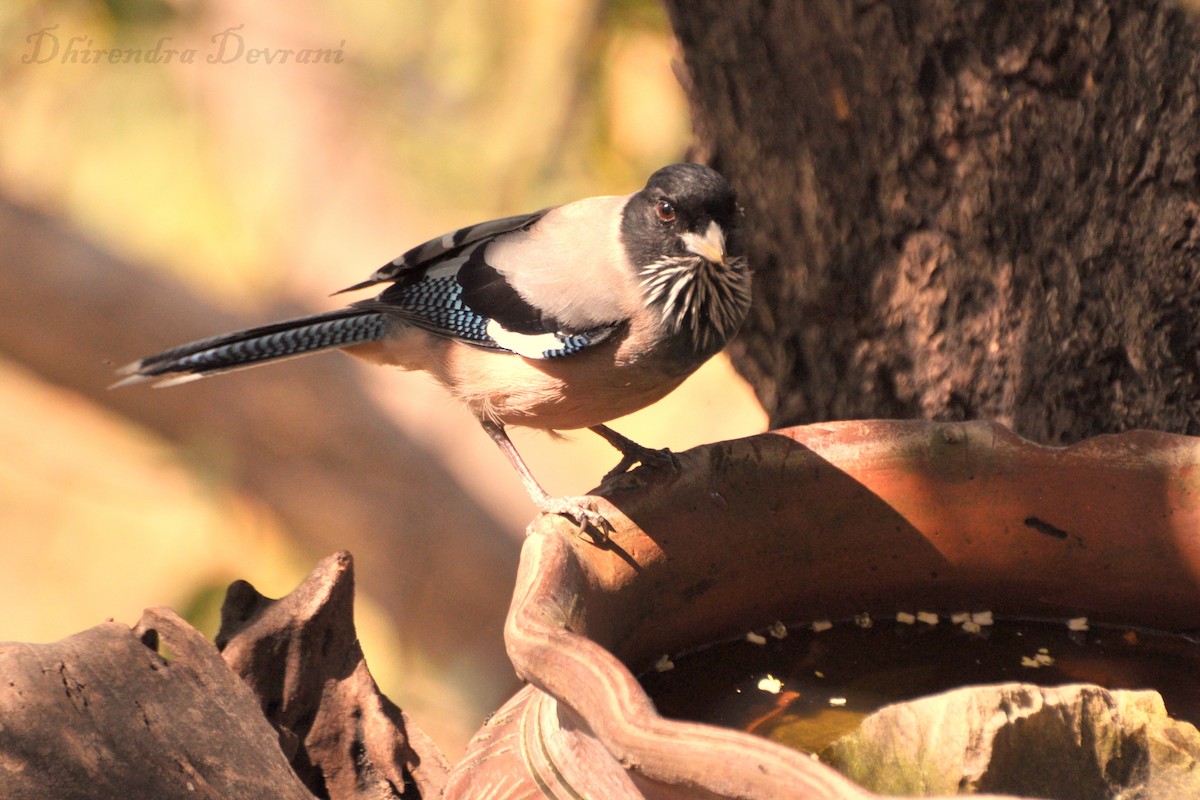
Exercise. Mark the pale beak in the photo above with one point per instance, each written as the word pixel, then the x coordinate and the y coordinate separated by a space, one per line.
pixel 710 246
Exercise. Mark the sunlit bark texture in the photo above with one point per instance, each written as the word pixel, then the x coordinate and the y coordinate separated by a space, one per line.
pixel 962 210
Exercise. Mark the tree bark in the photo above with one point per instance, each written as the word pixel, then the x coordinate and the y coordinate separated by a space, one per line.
pixel 960 210
pixel 290 712
pixel 301 658
pixel 102 714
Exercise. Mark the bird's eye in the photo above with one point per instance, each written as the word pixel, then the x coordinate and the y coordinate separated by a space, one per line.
pixel 665 211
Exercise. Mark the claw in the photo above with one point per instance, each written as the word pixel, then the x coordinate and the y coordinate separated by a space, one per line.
pixel 581 510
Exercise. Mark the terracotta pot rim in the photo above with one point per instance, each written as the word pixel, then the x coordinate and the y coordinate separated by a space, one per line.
pixel 566 586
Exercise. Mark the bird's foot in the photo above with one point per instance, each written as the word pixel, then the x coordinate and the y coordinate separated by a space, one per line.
pixel 582 510
pixel 634 453
pixel 646 456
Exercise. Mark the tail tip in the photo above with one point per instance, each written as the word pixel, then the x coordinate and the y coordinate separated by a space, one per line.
pixel 133 375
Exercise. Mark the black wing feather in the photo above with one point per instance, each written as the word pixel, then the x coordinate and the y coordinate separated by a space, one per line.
pixel 415 261
pixel 490 294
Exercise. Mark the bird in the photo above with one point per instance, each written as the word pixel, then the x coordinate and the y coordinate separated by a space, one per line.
pixel 561 319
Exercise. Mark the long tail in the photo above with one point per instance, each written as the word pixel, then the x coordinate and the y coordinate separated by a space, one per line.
pixel 280 340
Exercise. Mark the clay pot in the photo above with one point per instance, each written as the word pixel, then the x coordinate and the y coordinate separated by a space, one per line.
pixel 821 521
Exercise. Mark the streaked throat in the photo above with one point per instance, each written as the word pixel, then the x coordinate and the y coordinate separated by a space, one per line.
pixel 704 295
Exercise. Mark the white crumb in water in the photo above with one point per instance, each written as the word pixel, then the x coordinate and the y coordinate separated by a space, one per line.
pixel 959 617
pixel 905 618
pixel 983 618
pixel 770 684
pixel 664 664
pixel 971 627
pixel 928 617
pixel 1077 624
pixel 821 625
pixel 778 630
pixel 755 638
pixel 837 701
pixel 1041 659
pixel 863 620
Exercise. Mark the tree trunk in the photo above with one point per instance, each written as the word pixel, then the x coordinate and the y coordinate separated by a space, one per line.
pixel 961 210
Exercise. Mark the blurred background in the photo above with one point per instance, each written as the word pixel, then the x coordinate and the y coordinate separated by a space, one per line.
pixel 235 159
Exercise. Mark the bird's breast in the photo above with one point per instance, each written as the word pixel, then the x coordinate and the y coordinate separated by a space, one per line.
pixel 576 391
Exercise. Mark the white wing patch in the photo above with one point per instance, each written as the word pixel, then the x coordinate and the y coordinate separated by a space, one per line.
pixel 530 345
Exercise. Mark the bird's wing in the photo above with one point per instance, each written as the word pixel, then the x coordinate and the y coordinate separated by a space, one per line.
pixel 466 286
pixel 446 246
pixel 437 301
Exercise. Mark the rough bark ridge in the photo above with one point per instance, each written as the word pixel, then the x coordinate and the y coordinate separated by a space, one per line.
pixel 103 715
pixel 290 713
pixel 301 658
pixel 962 210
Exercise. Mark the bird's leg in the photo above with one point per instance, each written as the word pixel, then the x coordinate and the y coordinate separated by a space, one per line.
pixel 632 452
pixel 574 507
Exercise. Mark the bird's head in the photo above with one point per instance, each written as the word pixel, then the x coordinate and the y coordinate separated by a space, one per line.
pixel 682 233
